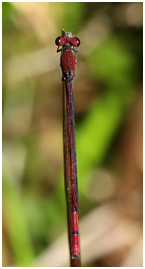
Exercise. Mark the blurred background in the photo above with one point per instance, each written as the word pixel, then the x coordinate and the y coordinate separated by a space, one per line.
pixel 108 111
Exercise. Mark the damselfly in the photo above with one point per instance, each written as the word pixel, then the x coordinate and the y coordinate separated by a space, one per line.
pixel 68 44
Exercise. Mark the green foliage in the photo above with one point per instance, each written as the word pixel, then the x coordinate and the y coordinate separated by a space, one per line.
pixel 74 16
pixel 7 11
pixel 112 64
pixel 16 223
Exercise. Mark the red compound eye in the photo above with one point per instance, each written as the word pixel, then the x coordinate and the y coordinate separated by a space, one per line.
pixel 60 41
pixel 57 40
pixel 75 41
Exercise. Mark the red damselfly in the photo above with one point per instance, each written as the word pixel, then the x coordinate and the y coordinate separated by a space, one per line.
pixel 68 44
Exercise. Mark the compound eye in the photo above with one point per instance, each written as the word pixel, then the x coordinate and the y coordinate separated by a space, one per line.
pixel 75 42
pixel 78 41
pixel 57 40
pixel 60 41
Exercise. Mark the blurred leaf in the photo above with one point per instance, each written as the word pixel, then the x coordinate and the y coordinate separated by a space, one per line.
pixel 16 223
pixel 74 15
pixel 114 66
pixel 6 13
pixel 112 63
